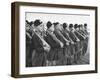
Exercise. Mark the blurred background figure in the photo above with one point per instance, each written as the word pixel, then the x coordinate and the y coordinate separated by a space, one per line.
pixel 28 44
pixel 52 44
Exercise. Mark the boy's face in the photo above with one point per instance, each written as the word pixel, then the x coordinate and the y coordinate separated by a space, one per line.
pixel 70 29
pixel 77 29
pixel 32 25
pixel 52 28
pixel 27 28
pixel 82 28
pixel 40 27
pixel 59 26
pixel 67 28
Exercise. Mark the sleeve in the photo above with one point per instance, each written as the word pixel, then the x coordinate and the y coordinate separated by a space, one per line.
pixel 79 36
pixel 66 36
pixel 53 44
pixel 62 38
pixel 36 44
pixel 71 35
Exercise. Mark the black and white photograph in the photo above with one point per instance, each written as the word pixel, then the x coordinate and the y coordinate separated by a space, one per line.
pixel 57 39
pixel 52 39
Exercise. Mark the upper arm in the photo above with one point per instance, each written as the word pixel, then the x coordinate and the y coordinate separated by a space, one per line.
pixel 36 44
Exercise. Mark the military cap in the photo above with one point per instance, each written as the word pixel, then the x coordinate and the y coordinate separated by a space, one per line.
pixel 37 22
pixel 64 25
pixel 49 24
pixel 70 25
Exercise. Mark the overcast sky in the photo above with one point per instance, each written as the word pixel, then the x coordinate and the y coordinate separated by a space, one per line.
pixel 68 18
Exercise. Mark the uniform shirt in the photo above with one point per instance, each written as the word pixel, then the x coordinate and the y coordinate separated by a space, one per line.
pixel 82 32
pixel 72 36
pixel 37 43
pixel 50 40
pixel 66 34
pixel 60 36
pixel 78 35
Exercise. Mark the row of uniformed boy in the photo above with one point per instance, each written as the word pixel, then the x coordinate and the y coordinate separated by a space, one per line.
pixel 62 44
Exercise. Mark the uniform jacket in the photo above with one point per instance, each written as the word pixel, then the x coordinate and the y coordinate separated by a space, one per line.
pixel 82 32
pixel 37 44
pixel 72 36
pixel 66 35
pixel 78 35
pixel 49 39
pixel 60 36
